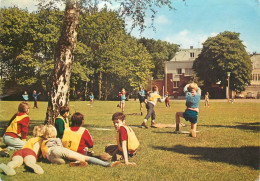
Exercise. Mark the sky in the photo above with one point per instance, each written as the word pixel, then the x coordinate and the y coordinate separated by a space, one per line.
pixel 193 21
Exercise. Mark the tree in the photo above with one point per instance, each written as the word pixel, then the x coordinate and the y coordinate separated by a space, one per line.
pixel 64 53
pixel 59 95
pixel 160 51
pixel 221 54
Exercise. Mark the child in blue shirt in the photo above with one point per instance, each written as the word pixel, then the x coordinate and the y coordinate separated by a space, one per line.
pixel 193 94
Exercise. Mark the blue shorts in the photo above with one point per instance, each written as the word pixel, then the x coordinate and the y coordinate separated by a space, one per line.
pixel 191 116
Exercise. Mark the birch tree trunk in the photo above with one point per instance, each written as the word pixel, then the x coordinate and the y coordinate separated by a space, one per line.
pixel 59 95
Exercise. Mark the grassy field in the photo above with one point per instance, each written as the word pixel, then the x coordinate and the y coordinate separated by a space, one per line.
pixel 227 146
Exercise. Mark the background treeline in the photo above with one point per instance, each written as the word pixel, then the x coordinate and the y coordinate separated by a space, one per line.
pixel 106 58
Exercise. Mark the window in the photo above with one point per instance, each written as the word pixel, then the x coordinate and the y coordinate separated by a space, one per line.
pixel 179 71
pixel 188 71
pixel 175 84
pixel 256 77
pixel 192 54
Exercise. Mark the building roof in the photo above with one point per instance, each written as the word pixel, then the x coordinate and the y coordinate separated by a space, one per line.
pixel 187 54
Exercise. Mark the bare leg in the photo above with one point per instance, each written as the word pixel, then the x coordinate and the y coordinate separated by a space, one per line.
pixel 17 161
pixel 30 161
pixel 178 115
pixel 193 129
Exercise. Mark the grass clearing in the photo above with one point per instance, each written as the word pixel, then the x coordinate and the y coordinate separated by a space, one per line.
pixel 227 146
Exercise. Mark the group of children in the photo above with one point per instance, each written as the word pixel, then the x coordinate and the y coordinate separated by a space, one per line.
pixel 34 95
pixel 63 142
pixel 71 142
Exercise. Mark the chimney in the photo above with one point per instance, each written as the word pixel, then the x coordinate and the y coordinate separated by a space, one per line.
pixel 191 47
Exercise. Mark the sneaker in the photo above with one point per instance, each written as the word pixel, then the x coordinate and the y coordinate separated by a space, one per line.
pixel 152 125
pixel 144 125
pixel 114 164
pixel 78 164
pixel 4 154
pixel 193 133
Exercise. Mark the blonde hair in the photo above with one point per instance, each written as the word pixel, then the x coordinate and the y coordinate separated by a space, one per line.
pixel 50 132
pixel 38 131
pixel 193 86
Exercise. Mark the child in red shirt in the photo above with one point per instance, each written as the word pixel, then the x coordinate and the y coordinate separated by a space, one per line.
pixel 17 130
pixel 127 143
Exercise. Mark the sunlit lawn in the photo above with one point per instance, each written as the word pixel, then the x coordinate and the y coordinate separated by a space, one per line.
pixel 226 147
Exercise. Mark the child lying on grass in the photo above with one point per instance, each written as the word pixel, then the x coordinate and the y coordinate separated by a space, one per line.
pixel 28 154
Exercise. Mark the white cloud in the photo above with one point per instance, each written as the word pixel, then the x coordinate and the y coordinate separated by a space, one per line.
pixel 112 6
pixel 162 20
pixel 186 39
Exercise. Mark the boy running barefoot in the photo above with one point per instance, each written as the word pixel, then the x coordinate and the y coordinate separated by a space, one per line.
pixel 127 142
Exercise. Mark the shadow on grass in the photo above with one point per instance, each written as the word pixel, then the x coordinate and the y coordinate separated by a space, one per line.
pixel 3 126
pixel 245 155
pixel 254 127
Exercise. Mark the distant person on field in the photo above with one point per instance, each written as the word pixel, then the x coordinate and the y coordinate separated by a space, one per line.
pixel 28 154
pixel 127 142
pixel 25 96
pixel 193 94
pixel 152 100
pixel 167 100
pixel 17 130
pixel 141 96
pixel 207 99
pixel 62 121
pixel 35 98
pixel 78 139
pixel 122 99
pixel 91 98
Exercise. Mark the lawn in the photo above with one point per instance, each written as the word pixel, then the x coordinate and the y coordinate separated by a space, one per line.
pixel 227 146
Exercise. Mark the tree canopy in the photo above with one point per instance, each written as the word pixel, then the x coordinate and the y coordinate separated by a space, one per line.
pixel 221 54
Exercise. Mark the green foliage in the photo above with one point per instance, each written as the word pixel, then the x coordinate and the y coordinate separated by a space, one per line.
pixel 160 51
pixel 221 54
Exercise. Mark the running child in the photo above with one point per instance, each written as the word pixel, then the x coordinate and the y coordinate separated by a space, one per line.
pixel 193 94
pixel 152 100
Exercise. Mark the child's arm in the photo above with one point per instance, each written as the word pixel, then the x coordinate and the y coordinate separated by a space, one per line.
pixel 125 153
pixel 185 89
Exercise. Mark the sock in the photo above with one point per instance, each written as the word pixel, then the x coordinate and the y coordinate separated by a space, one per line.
pixel 145 120
pixel 152 121
pixel 7 170
pixel 98 162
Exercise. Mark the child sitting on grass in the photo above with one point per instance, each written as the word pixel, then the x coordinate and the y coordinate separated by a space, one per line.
pixel 17 130
pixel 28 154
pixel 78 139
pixel 127 142
pixel 193 94
pixel 62 121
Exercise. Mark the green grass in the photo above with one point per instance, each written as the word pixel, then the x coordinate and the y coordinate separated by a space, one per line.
pixel 227 146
